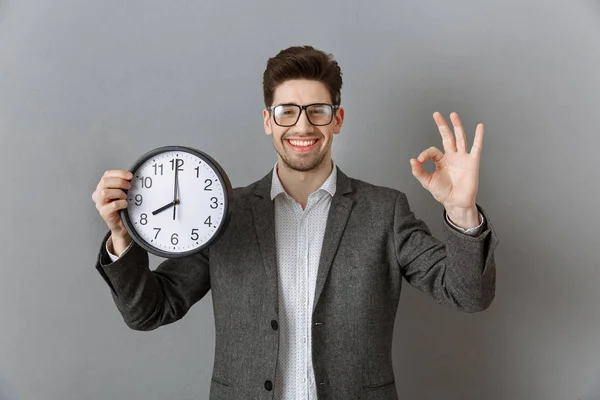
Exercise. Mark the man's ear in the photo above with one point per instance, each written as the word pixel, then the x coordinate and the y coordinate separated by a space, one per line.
pixel 339 120
pixel 267 122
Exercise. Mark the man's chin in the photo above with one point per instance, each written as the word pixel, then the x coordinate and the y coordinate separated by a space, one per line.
pixel 302 165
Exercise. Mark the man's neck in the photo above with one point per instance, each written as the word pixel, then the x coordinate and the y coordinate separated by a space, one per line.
pixel 298 184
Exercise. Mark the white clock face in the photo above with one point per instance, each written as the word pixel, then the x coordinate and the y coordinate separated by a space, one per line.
pixel 176 202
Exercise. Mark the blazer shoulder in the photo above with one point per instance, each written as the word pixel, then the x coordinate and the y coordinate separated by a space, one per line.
pixel 365 191
pixel 243 194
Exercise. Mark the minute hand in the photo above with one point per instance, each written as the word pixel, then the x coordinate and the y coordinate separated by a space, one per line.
pixel 175 188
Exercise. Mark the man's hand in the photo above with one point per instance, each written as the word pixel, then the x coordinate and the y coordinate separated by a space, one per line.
pixel 110 199
pixel 454 182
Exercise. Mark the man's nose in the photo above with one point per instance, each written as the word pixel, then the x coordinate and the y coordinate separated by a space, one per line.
pixel 303 124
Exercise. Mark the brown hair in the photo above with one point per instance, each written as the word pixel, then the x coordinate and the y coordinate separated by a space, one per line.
pixel 302 62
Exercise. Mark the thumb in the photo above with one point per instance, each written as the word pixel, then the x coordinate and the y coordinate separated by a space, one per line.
pixel 419 172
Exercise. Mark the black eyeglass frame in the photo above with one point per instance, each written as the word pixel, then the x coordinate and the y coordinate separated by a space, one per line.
pixel 334 108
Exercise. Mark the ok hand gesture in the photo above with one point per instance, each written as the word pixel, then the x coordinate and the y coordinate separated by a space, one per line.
pixel 454 182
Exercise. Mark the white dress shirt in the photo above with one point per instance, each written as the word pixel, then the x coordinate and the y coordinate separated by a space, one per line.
pixel 299 236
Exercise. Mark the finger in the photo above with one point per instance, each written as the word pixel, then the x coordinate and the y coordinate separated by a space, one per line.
pixel 459 132
pixel 432 153
pixel 109 211
pixel 419 172
pixel 478 141
pixel 447 136
pixel 113 183
pixel 118 173
pixel 103 196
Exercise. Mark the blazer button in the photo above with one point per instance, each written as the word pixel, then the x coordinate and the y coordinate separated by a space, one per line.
pixel 269 385
pixel 274 325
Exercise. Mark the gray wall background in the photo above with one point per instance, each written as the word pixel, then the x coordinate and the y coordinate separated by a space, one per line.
pixel 88 86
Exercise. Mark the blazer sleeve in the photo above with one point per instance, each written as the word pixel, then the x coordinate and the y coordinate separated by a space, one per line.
pixel 149 299
pixel 460 273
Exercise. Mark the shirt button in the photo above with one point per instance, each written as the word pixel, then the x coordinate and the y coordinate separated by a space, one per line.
pixel 269 385
pixel 274 325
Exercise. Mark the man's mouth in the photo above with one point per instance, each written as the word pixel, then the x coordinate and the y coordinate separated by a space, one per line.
pixel 302 144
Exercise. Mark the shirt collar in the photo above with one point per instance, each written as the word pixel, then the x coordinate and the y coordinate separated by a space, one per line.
pixel 329 185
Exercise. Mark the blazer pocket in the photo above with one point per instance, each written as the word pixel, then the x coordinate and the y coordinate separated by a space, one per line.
pixel 379 386
pixel 220 381
pixel 220 389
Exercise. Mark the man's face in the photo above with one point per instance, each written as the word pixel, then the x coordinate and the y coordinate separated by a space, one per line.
pixel 303 146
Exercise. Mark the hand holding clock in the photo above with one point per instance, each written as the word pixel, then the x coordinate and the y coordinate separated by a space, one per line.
pixel 134 211
pixel 110 198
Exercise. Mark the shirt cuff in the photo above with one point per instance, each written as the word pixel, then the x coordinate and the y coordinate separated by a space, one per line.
pixel 109 249
pixel 471 231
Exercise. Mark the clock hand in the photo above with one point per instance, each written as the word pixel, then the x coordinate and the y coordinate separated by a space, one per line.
pixel 176 187
pixel 163 208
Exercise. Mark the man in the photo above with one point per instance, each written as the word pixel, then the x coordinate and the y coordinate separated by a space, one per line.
pixel 306 279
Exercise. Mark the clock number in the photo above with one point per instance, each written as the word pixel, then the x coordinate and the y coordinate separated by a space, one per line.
pixel 156 167
pixel 214 202
pixel 146 182
pixel 138 199
pixel 194 233
pixel 157 232
pixel 197 172
pixel 208 184
pixel 207 222
pixel 143 219
pixel 178 162
pixel 174 239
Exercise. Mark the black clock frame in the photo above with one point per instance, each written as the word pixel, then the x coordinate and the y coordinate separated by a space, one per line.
pixel 227 191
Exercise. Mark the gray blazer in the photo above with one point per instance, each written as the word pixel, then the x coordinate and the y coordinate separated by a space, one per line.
pixel 372 241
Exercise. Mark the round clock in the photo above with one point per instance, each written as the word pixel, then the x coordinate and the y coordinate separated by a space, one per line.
pixel 178 203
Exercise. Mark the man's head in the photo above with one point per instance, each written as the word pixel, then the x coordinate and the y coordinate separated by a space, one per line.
pixel 302 76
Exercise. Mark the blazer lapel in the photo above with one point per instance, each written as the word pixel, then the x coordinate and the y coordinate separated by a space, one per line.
pixel 339 212
pixel 264 223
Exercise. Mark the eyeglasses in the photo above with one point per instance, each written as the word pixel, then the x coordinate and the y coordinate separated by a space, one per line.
pixel 318 114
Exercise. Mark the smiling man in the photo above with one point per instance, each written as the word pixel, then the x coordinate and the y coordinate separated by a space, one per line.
pixel 307 277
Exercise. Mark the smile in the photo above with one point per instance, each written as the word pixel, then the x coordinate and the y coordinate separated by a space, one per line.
pixel 302 145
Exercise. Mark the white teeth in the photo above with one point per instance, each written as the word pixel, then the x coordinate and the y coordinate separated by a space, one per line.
pixel 302 143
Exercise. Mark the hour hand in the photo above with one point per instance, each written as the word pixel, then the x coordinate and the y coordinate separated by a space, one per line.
pixel 165 207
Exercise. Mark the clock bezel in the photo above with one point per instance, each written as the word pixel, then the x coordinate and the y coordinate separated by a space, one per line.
pixel 227 191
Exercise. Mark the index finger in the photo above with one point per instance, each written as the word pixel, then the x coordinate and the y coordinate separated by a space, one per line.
pixel 447 136
pixel 118 173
